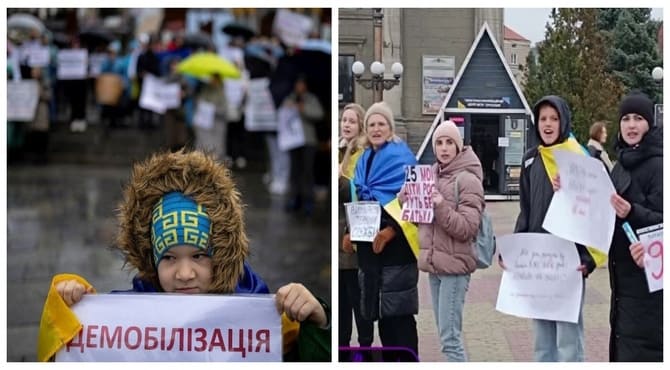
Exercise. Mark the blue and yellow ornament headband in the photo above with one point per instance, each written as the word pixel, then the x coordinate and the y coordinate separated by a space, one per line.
pixel 178 220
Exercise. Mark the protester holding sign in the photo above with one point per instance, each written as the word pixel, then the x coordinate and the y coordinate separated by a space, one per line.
pixel 554 340
pixel 350 149
pixel 301 192
pixel 210 124
pixel 388 273
pixel 636 316
pixel 446 252
pixel 182 229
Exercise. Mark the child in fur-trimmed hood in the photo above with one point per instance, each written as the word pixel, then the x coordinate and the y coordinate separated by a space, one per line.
pixel 182 229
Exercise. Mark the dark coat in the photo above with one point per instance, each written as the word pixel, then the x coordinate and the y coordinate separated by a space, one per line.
pixel 636 316
pixel 535 190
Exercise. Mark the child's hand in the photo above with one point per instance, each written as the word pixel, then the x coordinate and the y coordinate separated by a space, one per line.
pixel 72 291
pixel 556 182
pixel 437 198
pixel 637 252
pixel 300 305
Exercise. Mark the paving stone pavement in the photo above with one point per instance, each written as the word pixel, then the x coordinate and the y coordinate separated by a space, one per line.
pixel 490 335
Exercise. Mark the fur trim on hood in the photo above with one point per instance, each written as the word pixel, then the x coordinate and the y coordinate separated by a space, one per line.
pixel 209 183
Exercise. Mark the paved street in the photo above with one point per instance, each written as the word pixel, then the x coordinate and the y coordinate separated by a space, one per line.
pixel 492 336
pixel 60 218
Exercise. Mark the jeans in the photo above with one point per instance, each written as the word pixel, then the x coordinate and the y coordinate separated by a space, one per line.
pixel 560 340
pixel 448 294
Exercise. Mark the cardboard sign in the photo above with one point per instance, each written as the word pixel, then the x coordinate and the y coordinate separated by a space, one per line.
pixel 72 64
pixel 22 99
pixel 652 239
pixel 175 327
pixel 290 134
pixel 541 280
pixel 419 185
pixel 580 211
pixel 363 219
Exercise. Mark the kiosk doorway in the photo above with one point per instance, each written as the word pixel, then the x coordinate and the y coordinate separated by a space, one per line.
pixel 484 134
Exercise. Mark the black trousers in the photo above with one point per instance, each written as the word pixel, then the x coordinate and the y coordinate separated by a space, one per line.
pixel 302 175
pixel 399 331
pixel 350 299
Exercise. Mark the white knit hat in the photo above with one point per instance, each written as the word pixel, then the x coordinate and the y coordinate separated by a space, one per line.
pixel 448 128
pixel 383 109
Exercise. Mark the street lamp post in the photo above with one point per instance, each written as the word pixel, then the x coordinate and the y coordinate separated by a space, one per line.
pixel 657 75
pixel 377 83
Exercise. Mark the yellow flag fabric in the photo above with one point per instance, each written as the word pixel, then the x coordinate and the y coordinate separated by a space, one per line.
pixel 351 166
pixel 410 230
pixel 547 155
pixel 58 324
pixel 289 331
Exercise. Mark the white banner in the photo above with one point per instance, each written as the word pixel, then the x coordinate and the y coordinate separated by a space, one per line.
pixel 72 64
pixel 169 94
pixel 175 327
pixel 22 99
pixel 204 115
pixel 541 280
pixel 363 219
pixel 580 211
pixel 159 96
pixel 290 134
pixel 652 239
pixel 259 110
pixel 292 28
pixel 419 185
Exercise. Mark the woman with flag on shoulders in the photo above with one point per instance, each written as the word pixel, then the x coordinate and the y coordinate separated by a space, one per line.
pixel 388 273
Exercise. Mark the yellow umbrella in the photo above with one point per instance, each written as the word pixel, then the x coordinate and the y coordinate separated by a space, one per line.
pixel 206 64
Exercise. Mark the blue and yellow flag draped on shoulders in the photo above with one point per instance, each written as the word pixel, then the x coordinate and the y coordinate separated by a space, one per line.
pixel 383 182
pixel 549 161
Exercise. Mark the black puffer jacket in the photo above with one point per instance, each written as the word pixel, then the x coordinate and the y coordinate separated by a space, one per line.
pixel 636 316
pixel 535 190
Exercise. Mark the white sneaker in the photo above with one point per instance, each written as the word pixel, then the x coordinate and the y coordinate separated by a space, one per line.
pixel 78 125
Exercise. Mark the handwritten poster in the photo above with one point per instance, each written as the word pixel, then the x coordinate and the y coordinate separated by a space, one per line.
pixel 259 111
pixel 580 210
pixel 541 280
pixel 204 115
pixel 363 219
pixel 290 134
pixel 22 99
pixel 419 185
pixel 197 327
pixel 652 239
pixel 72 64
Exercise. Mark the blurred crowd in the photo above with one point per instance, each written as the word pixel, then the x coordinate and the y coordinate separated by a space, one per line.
pixel 269 78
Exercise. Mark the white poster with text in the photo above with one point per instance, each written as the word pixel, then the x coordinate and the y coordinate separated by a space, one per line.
pixel 175 327
pixel 541 280
pixel 652 239
pixel 580 210
pixel 363 219
pixel 72 64
pixel 418 187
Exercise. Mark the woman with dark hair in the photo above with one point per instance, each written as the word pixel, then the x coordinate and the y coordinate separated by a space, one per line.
pixel 636 315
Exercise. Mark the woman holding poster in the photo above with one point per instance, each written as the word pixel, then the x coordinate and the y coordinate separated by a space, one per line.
pixel 446 244
pixel 636 315
pixel 351 140
pixel 388 274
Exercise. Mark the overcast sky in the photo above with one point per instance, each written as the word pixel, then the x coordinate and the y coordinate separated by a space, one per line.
pixel 530 23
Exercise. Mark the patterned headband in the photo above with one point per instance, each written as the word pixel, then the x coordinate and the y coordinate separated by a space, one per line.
pixel 178 220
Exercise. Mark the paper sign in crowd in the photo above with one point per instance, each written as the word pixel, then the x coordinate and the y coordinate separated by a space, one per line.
pixel 418 187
